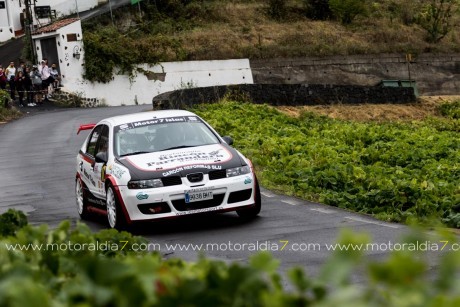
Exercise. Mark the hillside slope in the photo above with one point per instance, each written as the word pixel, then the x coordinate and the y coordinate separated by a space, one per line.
pixel 172 30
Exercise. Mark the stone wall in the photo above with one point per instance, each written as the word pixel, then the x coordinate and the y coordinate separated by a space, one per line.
pixel 75 100
pixel 434 74
pixel 285 94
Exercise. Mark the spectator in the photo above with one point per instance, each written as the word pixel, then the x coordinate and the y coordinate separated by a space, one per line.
pixel 10 75
pixel 28 87
pixel 3 79
pixel 19 83
pixel 46 79
pixel 22 67
pixel 55 74
pixel 36 78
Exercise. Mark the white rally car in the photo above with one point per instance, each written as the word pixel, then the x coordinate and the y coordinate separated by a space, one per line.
pixel 161 164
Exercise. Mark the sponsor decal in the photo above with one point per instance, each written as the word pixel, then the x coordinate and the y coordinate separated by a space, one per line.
pixel 190 156
pixel 189 167
pixel 173 162
pixel 141 196
pixel 117 171
pixel 199 211
pixel 247 180
pixel 158 121
pixel 95 201
pixel 89 177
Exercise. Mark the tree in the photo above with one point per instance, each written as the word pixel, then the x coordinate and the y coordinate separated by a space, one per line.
pixel 347 10
pixel 436 18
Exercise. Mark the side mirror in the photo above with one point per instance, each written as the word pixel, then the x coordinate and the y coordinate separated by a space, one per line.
pixel 228 140
pixel 101 157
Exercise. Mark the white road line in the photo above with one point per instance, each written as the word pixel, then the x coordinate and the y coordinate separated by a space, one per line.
pixel 267 194
pixel 325 211
pixel 357 219
pixel 291 202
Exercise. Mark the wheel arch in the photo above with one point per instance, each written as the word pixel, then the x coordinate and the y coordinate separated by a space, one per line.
pixel 111 181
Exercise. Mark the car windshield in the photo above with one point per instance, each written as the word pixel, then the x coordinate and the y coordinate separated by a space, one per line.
pixel 161 134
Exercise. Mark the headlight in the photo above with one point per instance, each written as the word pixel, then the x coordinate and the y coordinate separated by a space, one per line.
pixel 231 172
pixel 145 184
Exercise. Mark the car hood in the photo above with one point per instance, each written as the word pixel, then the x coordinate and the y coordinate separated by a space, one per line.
pixel 180 162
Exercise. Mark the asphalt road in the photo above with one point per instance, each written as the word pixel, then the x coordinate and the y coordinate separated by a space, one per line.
pixel 37 167
pixel 102 9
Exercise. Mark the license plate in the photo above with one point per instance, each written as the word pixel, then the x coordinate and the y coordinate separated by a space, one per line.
pixel 191 197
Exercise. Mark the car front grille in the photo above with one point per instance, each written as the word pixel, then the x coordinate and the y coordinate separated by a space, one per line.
pixel 236 197
pixel 173 180
pixel 180 204
pixel 217 174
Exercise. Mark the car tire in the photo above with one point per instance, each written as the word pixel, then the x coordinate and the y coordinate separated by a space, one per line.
pixel 253 211
pixel 82 201
pixel 115 215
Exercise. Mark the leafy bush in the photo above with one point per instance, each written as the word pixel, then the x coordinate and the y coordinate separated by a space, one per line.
pixel 11 221
pixel 6 112
pixel 451 110
pixel 4 99
pixel 45 277
pixel 395 171
pixel 347 10
pixel 108 51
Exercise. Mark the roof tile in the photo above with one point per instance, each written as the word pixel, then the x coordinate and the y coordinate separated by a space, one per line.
pixel 55 26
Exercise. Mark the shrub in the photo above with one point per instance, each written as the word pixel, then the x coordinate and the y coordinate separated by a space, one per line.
pixel 46 277
pixel 318 9
pixel 4 99
pixel 277 9
pixel 347 10
pixel 11 221
pixel 451 110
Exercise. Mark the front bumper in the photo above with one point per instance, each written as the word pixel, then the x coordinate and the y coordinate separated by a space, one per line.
pixel 166 202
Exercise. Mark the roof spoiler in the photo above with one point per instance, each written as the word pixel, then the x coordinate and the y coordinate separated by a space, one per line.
pixel 85 127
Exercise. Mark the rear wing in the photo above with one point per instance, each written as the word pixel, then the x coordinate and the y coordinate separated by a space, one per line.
pixel 85 127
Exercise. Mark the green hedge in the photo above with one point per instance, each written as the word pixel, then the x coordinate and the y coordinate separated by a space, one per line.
pixel 395 171
pixel 127 278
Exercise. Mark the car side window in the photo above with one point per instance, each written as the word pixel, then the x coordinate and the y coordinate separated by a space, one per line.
pixel 91 147
pixel 103 143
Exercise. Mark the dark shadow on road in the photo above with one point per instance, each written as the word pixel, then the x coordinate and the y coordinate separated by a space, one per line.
pixel 185 224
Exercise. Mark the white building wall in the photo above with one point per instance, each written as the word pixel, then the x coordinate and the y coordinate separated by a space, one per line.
pixel 68 65
pixel 67 7
pixel 10 19
pixel 10 16
pixel 6 31
pixel 169 76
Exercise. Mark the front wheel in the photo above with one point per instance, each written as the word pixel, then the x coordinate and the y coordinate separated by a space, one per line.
pixel 82 202
pixel 115 216
pixel 252 212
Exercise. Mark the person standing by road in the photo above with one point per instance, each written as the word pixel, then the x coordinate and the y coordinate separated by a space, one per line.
pixel 3 79
pixel 11 75
pixel 55 74
pixel 28 87
pixel 36 78
pixel 46 78
pixel 19 83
